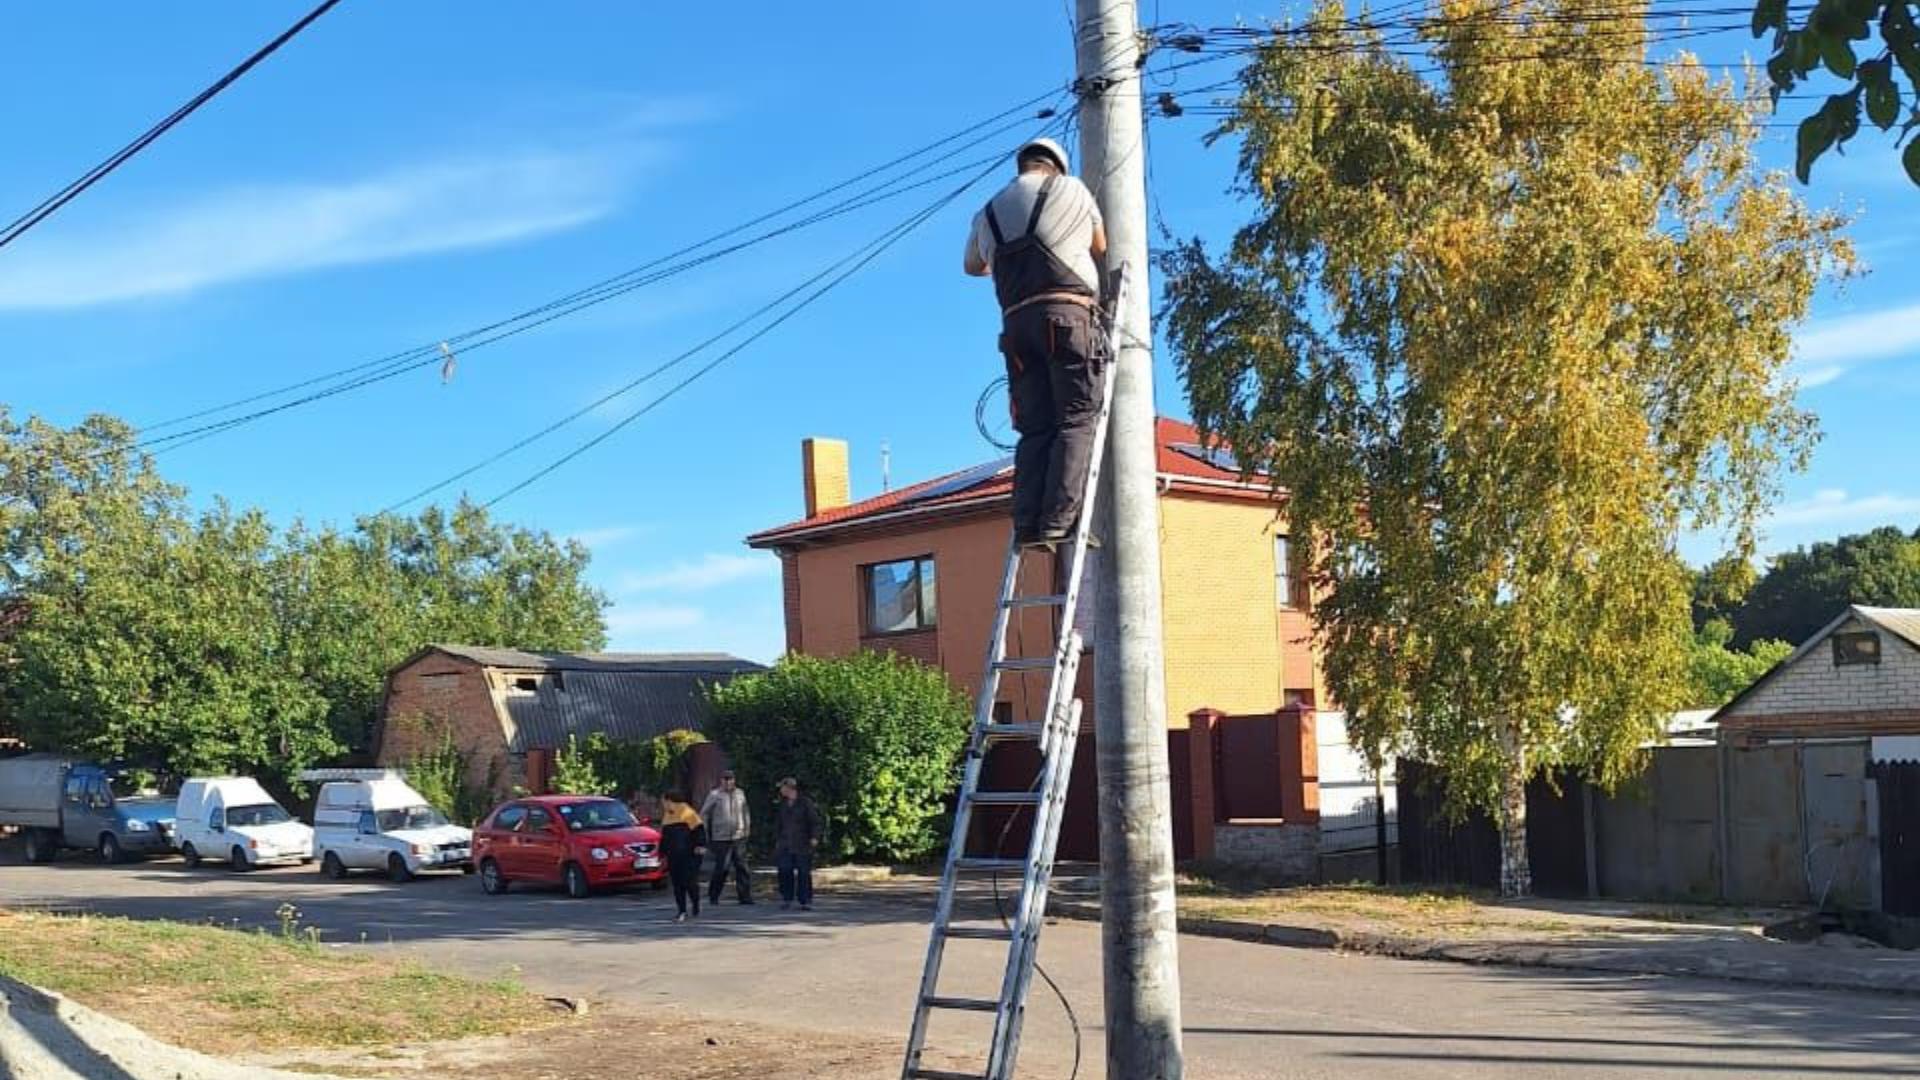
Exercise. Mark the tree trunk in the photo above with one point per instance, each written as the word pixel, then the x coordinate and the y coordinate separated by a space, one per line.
pixel 1516 877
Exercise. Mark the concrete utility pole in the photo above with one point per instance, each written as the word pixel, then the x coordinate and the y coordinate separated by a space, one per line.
pixel 1142 967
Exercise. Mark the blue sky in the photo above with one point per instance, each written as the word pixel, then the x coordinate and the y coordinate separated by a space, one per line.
pixel 402 172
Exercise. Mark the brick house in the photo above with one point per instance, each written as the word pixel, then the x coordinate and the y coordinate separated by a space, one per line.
pixel 917 571
pixel 1859 676
pixel 507 710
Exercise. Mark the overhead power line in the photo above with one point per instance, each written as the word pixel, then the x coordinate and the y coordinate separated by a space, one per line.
pixel 833 276
pixel 65 195
pixel 380 369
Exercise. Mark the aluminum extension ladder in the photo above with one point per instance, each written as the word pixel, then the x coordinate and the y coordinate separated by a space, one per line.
pixel 1056 735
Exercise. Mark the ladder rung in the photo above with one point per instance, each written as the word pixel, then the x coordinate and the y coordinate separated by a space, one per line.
pixel 1024 663
pixel 975 862
pixel 980 933
pixel 964 1004
pixel 943 1074
pixel 1049 600
pixel 993 732
pixel 1006 798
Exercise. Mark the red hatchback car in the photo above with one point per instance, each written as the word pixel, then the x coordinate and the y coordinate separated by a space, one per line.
pixel 580 842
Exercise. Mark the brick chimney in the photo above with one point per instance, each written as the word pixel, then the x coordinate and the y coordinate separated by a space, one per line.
pixel 823 467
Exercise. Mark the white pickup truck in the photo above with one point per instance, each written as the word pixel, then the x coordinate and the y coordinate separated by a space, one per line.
pixel 233 818
pixel 370 819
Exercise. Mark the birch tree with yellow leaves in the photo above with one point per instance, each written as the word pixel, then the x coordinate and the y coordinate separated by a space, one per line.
pixel 1511 313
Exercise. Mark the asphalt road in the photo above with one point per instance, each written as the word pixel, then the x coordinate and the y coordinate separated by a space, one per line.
pixel 851 965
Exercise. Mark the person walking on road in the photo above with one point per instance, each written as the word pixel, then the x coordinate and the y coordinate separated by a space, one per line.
pixel 728 824
pixel 683 839
pixel 797 826
pixel 1041 238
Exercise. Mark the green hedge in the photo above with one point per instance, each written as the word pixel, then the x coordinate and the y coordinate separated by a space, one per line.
pixel 873 738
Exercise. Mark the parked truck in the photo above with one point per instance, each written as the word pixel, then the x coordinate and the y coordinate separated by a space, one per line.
pixel 370 819
pixel 61 803
pixel 233 818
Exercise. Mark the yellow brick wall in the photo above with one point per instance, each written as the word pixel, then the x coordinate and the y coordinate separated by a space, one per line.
pixel 1228 646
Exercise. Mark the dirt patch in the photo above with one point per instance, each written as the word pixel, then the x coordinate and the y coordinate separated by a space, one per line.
pixel 1455 915
pixel 219 991
pixel 617 1043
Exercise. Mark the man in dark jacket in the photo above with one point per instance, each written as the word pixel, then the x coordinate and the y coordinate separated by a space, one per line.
pixel 797 827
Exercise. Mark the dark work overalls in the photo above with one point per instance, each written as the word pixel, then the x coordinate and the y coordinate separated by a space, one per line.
pixel 1054 361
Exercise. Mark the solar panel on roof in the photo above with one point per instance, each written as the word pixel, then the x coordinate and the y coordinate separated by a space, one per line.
pixel 1219 457
pixel 961 481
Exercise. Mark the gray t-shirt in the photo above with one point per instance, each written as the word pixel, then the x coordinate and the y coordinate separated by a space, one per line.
pixel 1066 225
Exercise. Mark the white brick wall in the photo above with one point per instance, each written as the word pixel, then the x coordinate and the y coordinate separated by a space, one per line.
pixel 1814 684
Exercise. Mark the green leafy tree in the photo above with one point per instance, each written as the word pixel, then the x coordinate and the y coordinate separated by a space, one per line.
pixel 1498 331
pixel 214 642
pixel 874 738
pixel 441 777
pixel 1716 671
pixel 660 763
pixel 1720 587
pixel 374 596
pixel 577 768
pixel 1804 589
pixel 1825 37
pixel 160 642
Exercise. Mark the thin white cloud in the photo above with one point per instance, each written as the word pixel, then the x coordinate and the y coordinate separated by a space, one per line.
pixel 706 572
pixel 608 536
pixel 1830 506
pixel 264 230
pixel 625 621
pixel 1818 376
pixel 1825 350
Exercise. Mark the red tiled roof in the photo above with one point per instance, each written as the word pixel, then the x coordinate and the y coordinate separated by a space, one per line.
pixel 994 486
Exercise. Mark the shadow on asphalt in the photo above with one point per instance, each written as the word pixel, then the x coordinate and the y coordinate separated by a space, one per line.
pixel 366 908
pixel 1758 1020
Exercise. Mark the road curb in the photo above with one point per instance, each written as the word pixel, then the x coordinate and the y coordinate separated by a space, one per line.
pixel 1526 954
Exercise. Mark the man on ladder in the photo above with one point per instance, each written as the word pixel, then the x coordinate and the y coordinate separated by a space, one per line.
pixel 1042 239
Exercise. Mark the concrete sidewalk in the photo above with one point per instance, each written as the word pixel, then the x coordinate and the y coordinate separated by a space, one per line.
pixel 1619 938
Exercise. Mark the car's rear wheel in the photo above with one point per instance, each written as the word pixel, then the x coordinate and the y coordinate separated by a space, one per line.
pixel 575 879
pixel 492 881
pixel 190 855
pixel 397 869
pixel 237 860
pixel 331 866
pixel 39 847
pixel 110 851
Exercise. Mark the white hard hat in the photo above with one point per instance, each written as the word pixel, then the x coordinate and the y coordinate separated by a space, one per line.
pixel 1051 148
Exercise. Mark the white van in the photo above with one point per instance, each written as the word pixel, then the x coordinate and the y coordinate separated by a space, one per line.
pixel 233 818
pixel 369 819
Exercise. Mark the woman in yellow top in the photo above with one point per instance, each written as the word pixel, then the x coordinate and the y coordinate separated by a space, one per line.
pixel 683 839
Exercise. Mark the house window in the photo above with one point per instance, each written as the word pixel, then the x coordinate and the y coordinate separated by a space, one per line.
pixel 900 596
pixel 1286 585
pixel 1858 647
pixel 525 684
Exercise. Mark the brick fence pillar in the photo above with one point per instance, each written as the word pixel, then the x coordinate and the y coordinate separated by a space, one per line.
pixel 1202 728
pixel 1299 765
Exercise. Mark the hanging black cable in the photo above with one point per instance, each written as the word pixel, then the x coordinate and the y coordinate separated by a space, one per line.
pixel 94 175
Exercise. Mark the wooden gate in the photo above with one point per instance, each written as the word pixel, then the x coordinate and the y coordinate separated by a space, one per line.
pixel 1899 784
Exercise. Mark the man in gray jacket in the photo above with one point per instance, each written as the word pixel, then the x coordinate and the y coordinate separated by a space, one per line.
pixel 728 823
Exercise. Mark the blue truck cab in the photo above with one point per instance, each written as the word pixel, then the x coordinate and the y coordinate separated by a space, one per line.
pixel 66 804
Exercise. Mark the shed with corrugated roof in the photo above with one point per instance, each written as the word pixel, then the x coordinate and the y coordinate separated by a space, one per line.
pixel 508 710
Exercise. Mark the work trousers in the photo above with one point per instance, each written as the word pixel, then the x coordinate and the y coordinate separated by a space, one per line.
pixel 729 856
pixel 686 882
pixel 795 869
pixel 1054 363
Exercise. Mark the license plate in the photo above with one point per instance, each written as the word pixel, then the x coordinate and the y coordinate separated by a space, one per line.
pixel 646 862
